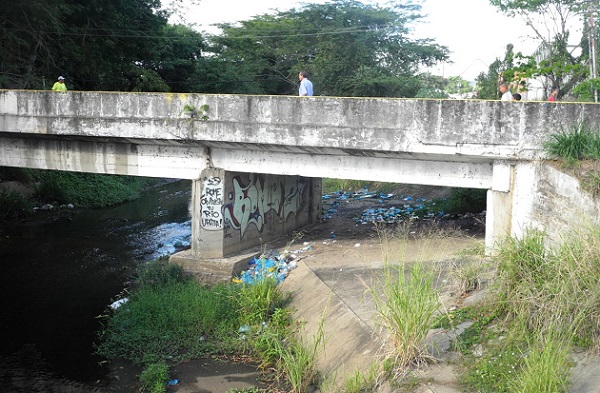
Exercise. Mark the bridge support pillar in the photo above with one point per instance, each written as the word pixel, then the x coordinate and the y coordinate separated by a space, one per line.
pixel 235 214
pixel 511 202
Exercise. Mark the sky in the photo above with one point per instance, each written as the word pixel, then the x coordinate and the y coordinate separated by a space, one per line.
pixel 473 30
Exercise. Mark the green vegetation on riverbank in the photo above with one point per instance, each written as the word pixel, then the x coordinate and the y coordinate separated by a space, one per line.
pixel 170 317
pixel 89 190
pixel 541 304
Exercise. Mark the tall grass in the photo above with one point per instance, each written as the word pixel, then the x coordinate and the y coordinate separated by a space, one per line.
pixel 406 302
pixel 545 366
pixel 575 143
pixel 154 378
pixel 545 300
pixel 255 302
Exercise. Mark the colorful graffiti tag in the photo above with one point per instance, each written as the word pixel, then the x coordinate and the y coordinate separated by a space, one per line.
pixel 248 204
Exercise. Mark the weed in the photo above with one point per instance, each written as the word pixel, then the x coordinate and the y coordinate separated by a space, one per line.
pixel 573 144
pixel 406 309
pixel 258 300
pixel 545 365
pixel 299 362
pixel 196 113
pixel 176 320
pixel 362 383
pixel 468 274
pixel 154 378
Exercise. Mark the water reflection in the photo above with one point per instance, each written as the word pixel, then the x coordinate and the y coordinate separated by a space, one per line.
pixel 59 274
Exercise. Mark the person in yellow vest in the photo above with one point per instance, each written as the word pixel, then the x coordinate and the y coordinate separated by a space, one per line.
pixel 59 85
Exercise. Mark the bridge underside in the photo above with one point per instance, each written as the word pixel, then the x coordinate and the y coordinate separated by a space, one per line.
pixel 188 160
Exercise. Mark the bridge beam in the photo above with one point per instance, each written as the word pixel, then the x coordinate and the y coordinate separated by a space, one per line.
pixel 442 173
pixel 164 161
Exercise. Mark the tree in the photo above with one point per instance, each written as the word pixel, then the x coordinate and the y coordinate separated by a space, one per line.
pixel 348 48
pixel 97 45
pixel 179 57
pixel 559 65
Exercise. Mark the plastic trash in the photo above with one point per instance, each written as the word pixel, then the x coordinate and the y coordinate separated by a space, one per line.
pixel 116 304
pixel 173 382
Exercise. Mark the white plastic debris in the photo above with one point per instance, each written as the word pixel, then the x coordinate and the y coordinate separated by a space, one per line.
pixel 118 303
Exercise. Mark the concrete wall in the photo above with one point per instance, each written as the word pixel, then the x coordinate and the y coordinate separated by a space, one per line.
pixel 560 206
pixel 370 127
pixel 238 210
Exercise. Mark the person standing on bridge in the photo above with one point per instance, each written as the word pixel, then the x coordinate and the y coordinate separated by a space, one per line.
pixel 59 85
pixel 506 94
pixel 306 86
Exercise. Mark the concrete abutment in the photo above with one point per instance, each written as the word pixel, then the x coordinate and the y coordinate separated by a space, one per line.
pixel 236 214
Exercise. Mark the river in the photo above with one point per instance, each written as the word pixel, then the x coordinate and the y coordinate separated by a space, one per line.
pixel 60 273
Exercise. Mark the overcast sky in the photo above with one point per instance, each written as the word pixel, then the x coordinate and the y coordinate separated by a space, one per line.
pixel 473 30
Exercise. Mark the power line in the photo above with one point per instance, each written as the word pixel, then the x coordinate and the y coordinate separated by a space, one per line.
pixel 140 34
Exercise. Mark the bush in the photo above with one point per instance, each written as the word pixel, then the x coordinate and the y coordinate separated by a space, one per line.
pixel 13 205
pixel 574 144
pixel 88 189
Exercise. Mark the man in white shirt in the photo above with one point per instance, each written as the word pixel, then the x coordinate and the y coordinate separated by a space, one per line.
pixel 506 94
pixel 306 86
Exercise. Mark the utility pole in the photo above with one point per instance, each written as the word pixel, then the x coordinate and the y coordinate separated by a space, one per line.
pixel 593 69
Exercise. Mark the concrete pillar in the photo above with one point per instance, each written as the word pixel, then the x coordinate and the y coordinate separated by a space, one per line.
pixel 499 209
pixel 234 213
pixel 511 202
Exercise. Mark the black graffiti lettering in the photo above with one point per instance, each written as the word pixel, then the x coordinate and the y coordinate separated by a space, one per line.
pixel 209 222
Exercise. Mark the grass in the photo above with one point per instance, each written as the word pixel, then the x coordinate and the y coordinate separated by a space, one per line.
pixel 576 145
pixel 170 317
pixel 578 142
pixel 360 382
pixel 154 378
pixel 406 303
pixel 543 302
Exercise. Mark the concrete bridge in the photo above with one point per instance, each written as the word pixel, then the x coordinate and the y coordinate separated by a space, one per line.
pixel 256 161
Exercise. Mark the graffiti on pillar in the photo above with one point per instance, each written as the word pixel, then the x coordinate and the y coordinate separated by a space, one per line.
pixel 211 204
pixel 249 203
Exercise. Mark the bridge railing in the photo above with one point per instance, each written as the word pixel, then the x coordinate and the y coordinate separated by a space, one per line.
pixel 372 126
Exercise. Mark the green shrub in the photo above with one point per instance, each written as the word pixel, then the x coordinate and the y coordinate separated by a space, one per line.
pixel 88 189
pixel 576 143
pixel 13 205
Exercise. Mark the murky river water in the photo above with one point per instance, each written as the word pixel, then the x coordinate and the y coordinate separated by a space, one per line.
pixel 59 274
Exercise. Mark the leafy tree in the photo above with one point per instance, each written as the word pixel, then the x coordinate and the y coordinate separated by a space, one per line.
pixel 558 66
pixel 348 48
pixel 97 45
pixel 27 37
pixel 179 57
